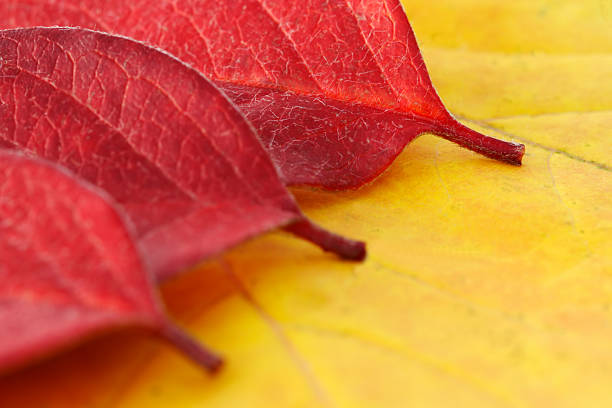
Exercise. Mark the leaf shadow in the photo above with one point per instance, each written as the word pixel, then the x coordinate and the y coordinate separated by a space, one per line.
pixel 401 170
pixel 85 375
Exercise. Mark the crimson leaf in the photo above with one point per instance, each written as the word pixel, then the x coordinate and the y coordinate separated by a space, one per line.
pixel 336 89
pixel 69 268
pixel 155 134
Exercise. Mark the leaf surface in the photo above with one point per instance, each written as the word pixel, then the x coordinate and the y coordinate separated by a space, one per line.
pixel 155 134
pixel 69 268
pixel 336 89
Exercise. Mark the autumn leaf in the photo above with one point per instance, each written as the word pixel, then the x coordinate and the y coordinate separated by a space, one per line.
pixel 157 136
pixel 70 268
pixel 487 285
pixel 335 89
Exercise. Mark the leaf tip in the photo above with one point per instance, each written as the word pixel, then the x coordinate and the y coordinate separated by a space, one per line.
pixel 501 150
pixel 518 155
pixel 191 348
pixel 354 251
pixel 344 247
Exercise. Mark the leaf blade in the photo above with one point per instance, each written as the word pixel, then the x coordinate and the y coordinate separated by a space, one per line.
pixel 70 269
pixel 359 53
pixel 155 134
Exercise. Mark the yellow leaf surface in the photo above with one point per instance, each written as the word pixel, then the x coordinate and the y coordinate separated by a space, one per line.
pixel 486 284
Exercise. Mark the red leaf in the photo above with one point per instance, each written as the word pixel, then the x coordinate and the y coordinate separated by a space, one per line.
pixel 68 267
pixel 335 88
pixel 155 134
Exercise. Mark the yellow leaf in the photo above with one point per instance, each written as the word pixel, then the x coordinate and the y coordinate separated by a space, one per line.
pixel 486 285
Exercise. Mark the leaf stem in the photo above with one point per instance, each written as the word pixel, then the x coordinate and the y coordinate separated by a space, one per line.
pixel 191 347
pixel 328 241
pixel 501 150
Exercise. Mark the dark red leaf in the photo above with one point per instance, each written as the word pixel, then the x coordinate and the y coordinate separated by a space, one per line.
pixel 69 268
pixel 155 134
pixel 335 88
